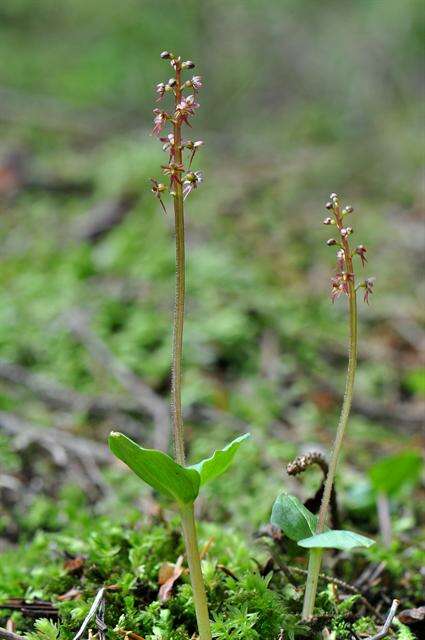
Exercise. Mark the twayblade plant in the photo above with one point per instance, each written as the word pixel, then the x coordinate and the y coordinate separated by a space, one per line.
pixel 295 520
pixel 173 478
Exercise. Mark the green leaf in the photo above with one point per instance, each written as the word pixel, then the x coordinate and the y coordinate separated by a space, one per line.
pixel 394 473
pixel 336 539
pixel 290 515
pixel 212 467
pixel 157 469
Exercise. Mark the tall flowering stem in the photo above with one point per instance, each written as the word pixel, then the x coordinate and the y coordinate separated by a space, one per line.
pixel 342 283
pixel 176 379
pixel 182 182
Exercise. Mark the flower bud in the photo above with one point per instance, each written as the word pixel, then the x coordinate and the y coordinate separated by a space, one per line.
pixel 166 55
pixel 348 209
pixel 350 230
pixel 333 196
pixel 329 205
pixel 327 221
pixel 188 65
pixel 331 242
pixel 172 82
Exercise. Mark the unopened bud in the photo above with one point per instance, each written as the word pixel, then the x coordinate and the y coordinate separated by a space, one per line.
pixel 166 55
pixel 331 242
pixel 348 209
pixel 350 230
pixel 333 196
pixel 172 82
pixel 327 221
pixel 329 205
pixel 188 65
pixel 344 232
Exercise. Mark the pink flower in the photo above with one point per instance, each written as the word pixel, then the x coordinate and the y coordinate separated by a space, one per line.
pixel 340 257
pixel 160 119
pixel 340 284
pixel 186 108
pixel 337 289
pixel 193 147
pixel 160 90
pixel 157 189
pixel 168 145
pixel 173 170
pixel 368 287
pixel 361 251
pixel 175 62
pixel 196 82
pixel 191 182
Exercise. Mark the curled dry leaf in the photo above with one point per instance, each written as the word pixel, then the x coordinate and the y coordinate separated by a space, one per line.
pixel 74 565
pixel 71 594
pixel 168 574
pixel 412 616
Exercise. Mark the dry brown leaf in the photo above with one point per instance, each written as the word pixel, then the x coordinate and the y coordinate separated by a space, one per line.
pixel 168 574
pixel 207 546
pixel 412 616
pixel 71 594
pixel 74 565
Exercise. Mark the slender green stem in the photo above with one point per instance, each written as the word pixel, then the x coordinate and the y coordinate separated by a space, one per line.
pixel 176 377
pixel 345 412
pixel 194 561
pixel 314 558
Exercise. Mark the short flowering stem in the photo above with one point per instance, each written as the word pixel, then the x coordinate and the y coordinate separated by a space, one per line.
pixel 315 557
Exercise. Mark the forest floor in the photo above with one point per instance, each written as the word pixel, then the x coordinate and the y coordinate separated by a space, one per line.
pixel 85 341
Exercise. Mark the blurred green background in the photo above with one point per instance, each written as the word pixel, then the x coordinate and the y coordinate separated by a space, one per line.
pixel 301 98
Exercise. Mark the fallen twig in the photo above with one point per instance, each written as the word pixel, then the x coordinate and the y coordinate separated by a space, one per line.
pixel 409 416
pixel 56 440
pixel 116 409
pixel 9 635
pixel 384 519
pixel 141 393
pixel 57 396
pixel 103 217
pixel 388 622
pixel 97 603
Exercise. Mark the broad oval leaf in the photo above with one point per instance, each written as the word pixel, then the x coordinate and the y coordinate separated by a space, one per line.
pixel 336 539
pixel 295 520
pixel 157 469
pixel 212 467
pixel 394 473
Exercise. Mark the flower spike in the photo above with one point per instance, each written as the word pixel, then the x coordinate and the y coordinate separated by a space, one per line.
pixel 345 275
pixel 180 153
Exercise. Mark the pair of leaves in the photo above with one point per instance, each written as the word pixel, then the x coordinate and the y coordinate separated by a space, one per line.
pixel 166 476
pixel 299 524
